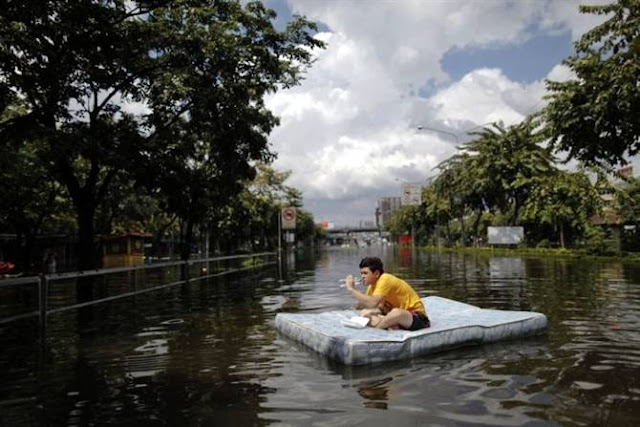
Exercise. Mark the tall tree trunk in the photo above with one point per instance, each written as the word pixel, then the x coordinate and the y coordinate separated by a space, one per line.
pixel 185 253
pixel 85 199
pixel 561 234
pixel 156 244
pixel 476 224
pixel 516 210
pixel 87 253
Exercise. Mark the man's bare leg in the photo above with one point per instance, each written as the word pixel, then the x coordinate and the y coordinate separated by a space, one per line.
pixel 375 319
pixel 397 317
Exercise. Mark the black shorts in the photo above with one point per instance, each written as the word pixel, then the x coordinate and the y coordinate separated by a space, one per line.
pixel 419 322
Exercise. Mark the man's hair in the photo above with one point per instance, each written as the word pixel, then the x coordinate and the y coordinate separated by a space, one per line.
pixel 374 264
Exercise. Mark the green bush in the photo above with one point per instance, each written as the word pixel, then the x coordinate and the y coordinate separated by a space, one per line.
pixel 544 243
pixel 595 241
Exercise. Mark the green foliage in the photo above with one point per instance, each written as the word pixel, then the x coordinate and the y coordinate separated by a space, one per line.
pixel 594 116
pixel 595 241
pixel 32 200
pixel 167 94
pixel 628 201
pixel 402 220
pixel 505 162
pixel 253 216
pixel 543 244
pixel 494 172
pixel 131 207
pixel 511 172
pixel 306 229
pixel 504 176
pixel 564 200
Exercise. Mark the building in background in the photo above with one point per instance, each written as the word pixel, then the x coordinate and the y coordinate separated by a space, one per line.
pixel 387 206
pixel 327 225
pixel 621 233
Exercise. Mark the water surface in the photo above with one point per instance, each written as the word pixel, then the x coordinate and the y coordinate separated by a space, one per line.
pixel 208 354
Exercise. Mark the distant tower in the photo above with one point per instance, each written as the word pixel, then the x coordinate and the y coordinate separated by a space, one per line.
pixel 387 206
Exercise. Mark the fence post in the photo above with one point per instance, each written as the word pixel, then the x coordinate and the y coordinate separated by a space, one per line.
pixel 185 271
pixel 43 292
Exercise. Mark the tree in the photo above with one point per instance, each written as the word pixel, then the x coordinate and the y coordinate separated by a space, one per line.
pixel 449 191
pixel 307 232
pixel 506 162
pixel 628 201
pixel 496 172
pixel 252 217
pixel 30 199
pixel 594 116
pixel 564 200
pixel 628 208
pixel 131 207
pixel 461 183
pixel 152 89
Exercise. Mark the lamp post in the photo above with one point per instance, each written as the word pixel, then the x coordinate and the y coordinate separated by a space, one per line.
pixel 422 127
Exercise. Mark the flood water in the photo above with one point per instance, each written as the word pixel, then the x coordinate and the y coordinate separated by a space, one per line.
pixel 208 353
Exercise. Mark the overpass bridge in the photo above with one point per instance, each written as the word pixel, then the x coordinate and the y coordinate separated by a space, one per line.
pixel 356 235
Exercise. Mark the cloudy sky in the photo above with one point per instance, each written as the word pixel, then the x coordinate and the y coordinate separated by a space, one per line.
pixel 349 133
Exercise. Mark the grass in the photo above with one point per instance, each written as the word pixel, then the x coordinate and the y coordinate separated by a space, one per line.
pixel 538 252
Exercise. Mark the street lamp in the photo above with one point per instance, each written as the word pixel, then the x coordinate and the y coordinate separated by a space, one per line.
pixel 422 127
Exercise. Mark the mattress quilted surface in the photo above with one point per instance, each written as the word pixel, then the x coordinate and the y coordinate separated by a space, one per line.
pixel 453 324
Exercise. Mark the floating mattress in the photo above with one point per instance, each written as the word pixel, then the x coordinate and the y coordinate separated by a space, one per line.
pixel 453 324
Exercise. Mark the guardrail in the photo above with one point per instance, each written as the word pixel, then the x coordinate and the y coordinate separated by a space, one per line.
pixel 139 279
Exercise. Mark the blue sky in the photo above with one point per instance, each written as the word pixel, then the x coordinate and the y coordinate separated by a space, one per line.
pixel 349 132
pixel 525 62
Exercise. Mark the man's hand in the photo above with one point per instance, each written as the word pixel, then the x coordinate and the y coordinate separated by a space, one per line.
pixel 362 299
pixel 350 282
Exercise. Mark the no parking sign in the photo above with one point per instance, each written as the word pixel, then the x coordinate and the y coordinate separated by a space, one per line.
pixel 288 216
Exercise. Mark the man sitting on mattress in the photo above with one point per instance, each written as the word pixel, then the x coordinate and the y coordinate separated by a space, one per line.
pixel 390 302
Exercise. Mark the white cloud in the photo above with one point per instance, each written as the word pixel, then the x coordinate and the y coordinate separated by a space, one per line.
pixel 561 73
pixel 484 96
pixel 348 132
pixel 562 15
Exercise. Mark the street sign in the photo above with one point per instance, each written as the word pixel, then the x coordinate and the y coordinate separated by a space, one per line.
pixel 411 194
pixel 288 216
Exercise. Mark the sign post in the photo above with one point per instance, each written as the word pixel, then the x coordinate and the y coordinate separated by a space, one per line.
pixel 289 215
pixel 411 194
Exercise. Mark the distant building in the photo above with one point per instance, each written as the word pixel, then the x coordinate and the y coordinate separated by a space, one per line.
pixel 620 234
pixel 387 207
pixel 327 225
pixel 626 172
pixel 619 179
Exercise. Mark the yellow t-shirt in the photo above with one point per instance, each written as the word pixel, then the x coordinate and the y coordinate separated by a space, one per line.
pixel 398 292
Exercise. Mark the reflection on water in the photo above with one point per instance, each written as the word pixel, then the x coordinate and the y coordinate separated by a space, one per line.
pixel 208 353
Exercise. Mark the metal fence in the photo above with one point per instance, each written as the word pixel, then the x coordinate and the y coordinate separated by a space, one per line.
pixel 40 296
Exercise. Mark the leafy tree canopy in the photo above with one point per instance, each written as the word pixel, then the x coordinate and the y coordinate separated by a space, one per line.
pixel 167 92
pixel 594 116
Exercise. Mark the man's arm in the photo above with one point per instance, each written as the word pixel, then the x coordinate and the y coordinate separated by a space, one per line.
pixel 363 300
